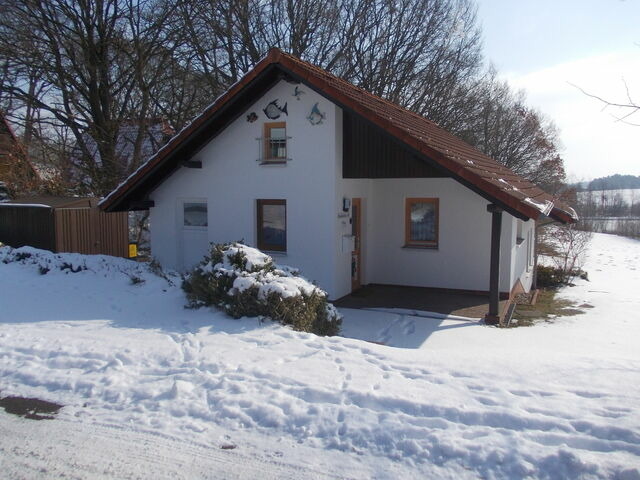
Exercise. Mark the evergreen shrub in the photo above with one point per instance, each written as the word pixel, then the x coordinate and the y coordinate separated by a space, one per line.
pixel 244 282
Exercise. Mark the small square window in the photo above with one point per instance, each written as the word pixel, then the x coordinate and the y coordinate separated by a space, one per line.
pixel 275 142
pixel 195 214
pixel 272 225
pixel 421 222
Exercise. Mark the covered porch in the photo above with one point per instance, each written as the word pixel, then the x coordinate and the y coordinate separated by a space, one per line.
pixel 440 301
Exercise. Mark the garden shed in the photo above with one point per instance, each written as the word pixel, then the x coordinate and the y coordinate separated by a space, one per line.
pixel 64 224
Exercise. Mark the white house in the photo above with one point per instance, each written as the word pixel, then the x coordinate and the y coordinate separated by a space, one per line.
pixel 348 187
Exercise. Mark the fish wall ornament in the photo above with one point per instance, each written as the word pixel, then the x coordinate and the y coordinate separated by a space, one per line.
pixel 297 92
pixel 252 117
pixel 316 116
pixel 273 110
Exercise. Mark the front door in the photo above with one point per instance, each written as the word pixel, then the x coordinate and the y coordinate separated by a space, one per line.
pixel 356 256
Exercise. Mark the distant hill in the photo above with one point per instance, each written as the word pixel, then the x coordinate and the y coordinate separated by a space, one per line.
pixel 612 182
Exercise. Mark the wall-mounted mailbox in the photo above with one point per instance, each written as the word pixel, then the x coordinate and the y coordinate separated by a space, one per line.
pixel 348 243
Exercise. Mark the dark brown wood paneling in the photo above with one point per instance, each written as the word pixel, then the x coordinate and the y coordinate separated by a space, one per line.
pixel 369 152
pixel 33 226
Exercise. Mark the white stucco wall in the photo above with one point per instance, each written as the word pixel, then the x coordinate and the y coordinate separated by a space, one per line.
pixel 232 180
pixel 522 264
pixel 461 260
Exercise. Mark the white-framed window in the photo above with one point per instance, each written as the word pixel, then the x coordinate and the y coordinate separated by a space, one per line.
pixel 194 214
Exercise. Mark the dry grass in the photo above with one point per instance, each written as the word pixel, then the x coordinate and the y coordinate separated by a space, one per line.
pixel 547 309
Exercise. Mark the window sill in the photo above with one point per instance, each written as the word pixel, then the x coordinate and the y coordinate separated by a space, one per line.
pixel 420 247
pixel 279 162
pixel 194 228
pixel 275 253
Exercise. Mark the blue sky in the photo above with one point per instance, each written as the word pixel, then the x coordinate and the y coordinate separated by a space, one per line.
pixel 544 46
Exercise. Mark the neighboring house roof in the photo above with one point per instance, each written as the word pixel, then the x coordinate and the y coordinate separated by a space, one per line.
pixel 55 202
pixel 433 144
pixel 157 132
pixel 13 156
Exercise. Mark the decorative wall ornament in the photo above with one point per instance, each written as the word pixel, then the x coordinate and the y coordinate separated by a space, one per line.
pixel 273 110
pixel 316 116
pixel 297 92
pixel 252 117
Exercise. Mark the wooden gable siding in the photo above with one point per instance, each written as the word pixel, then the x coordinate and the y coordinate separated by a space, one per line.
pixel 368 152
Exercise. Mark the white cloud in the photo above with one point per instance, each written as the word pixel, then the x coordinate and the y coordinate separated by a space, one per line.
pixel 595 144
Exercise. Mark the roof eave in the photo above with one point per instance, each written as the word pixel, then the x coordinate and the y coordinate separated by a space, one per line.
pixel 120 198
pixel 117 199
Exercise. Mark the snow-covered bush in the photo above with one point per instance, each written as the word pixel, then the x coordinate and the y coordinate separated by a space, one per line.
pixel 47 263
pixel 244 281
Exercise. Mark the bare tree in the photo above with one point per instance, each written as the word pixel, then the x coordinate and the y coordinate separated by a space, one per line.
pixel 624 110
pixel 96 61
pixel 502 125
pixel 571 246
pixel 105 63
pixel 418 53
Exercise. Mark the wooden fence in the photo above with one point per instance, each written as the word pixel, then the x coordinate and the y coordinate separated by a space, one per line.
pixel 22 225
pixel 80 230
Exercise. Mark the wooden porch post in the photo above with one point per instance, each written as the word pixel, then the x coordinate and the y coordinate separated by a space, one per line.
pixel 493 317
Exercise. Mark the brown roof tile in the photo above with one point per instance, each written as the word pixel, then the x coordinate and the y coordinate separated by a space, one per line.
pixel 467 164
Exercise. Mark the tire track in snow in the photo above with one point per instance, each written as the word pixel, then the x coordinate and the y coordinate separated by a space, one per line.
pixel 55 449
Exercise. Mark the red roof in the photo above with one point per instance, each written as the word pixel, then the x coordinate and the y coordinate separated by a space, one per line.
pixel 466 164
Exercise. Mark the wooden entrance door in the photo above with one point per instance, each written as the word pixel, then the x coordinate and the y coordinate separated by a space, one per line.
pixel 356 255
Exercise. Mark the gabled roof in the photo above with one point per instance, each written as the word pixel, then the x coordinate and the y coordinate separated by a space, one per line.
pixel 469 166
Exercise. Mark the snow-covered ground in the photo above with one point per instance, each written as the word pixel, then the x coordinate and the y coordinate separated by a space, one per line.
pixel 153 390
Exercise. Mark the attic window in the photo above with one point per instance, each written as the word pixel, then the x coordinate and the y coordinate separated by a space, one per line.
pixel 274 143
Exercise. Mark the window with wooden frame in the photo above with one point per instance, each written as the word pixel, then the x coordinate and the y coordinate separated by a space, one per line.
pixel 274 148
pixel 421 222
pixel 272 225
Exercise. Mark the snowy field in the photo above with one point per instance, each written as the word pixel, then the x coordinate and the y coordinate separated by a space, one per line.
pixel 153 390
